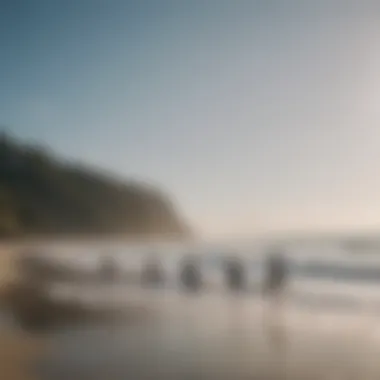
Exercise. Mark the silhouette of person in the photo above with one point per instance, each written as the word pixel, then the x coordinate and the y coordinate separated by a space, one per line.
pixel 190 274
pixel 276 277
pixel 234 273
pixel 274 289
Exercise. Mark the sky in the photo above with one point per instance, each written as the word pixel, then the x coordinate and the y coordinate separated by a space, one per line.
pixel 255 116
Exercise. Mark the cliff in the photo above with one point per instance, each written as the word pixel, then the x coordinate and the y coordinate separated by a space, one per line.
pixel 42 195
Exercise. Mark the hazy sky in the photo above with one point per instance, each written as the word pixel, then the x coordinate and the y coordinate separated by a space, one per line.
pixel 254 115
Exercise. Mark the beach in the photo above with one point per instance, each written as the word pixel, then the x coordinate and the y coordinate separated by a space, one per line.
pixel 210 336
pixel 18 353
pixel 326 330
pixel 18 349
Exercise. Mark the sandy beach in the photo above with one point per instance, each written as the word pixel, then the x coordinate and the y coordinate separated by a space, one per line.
pixel 211 337
pixel 18 349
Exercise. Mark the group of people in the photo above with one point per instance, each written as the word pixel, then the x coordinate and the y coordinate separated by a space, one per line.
pixel 276 274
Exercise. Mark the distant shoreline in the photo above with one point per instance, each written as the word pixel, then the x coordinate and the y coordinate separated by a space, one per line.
pixel 92 238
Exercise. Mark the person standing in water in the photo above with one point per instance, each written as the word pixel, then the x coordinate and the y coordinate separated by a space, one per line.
pixel 234 274
pixel 277 275
pixel 190 273
pixel 276 278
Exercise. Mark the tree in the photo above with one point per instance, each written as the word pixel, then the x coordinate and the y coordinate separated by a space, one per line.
pixel 8 216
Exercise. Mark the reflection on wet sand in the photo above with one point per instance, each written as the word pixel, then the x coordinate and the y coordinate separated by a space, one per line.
pixel 211 336
pixel 275 331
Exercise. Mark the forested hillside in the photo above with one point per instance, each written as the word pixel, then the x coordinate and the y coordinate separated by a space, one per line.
pixel 41 195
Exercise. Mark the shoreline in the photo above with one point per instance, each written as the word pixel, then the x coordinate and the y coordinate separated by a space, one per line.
pixel 32 242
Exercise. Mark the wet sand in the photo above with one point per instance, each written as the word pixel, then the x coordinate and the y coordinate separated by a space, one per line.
pixel 209 336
